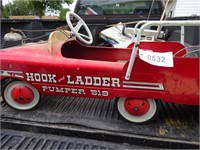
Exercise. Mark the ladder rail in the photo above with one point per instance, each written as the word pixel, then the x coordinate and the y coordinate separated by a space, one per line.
pixel 148 24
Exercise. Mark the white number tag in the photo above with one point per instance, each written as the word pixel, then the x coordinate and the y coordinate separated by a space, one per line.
pixel 155 58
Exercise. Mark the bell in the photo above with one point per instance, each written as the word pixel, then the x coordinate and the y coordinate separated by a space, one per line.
pixel 12 36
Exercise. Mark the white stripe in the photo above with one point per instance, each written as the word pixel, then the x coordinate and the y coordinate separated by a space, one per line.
pixel 143 85
pixel 19 76
pixel 11 73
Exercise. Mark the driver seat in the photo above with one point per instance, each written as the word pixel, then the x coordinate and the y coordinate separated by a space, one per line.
pixel 57 36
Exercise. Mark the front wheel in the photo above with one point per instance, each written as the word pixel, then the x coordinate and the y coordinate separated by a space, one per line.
pixel 137 110
pixel 20 95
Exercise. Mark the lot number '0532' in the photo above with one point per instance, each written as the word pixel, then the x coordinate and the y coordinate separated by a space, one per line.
pixel 156 58
pixel 164 59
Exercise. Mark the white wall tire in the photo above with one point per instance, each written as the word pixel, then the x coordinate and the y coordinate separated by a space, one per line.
pixel 8 98
pixel 147 117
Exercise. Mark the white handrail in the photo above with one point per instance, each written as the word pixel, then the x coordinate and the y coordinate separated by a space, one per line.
pixel 136 27
pixel 147 25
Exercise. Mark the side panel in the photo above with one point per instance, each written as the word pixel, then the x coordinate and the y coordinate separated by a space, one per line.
pixel 105 79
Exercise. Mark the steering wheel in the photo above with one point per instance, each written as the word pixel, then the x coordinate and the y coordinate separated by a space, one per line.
pixel 87 39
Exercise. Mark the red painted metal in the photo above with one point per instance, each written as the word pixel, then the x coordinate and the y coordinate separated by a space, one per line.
pixel 137 107
pixel 73 69
pixel 22 94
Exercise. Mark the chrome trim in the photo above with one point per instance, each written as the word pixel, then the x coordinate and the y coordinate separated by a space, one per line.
pixel 11 73
pixel 143 85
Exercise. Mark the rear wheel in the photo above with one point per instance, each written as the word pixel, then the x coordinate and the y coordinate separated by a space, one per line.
pixel 137 110
pixel 20 95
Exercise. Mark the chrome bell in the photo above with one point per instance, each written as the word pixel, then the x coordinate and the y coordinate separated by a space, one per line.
pixel 12 36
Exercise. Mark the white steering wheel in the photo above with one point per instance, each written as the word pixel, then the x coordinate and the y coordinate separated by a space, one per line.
pixel 87 39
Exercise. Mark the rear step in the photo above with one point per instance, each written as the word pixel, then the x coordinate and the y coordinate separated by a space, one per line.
pixel 177 126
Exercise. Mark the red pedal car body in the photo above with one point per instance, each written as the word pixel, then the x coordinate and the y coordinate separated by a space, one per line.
pixel 70 68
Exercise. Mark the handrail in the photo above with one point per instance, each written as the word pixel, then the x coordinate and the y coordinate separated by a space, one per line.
pixel 147 25
pixel 136 27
